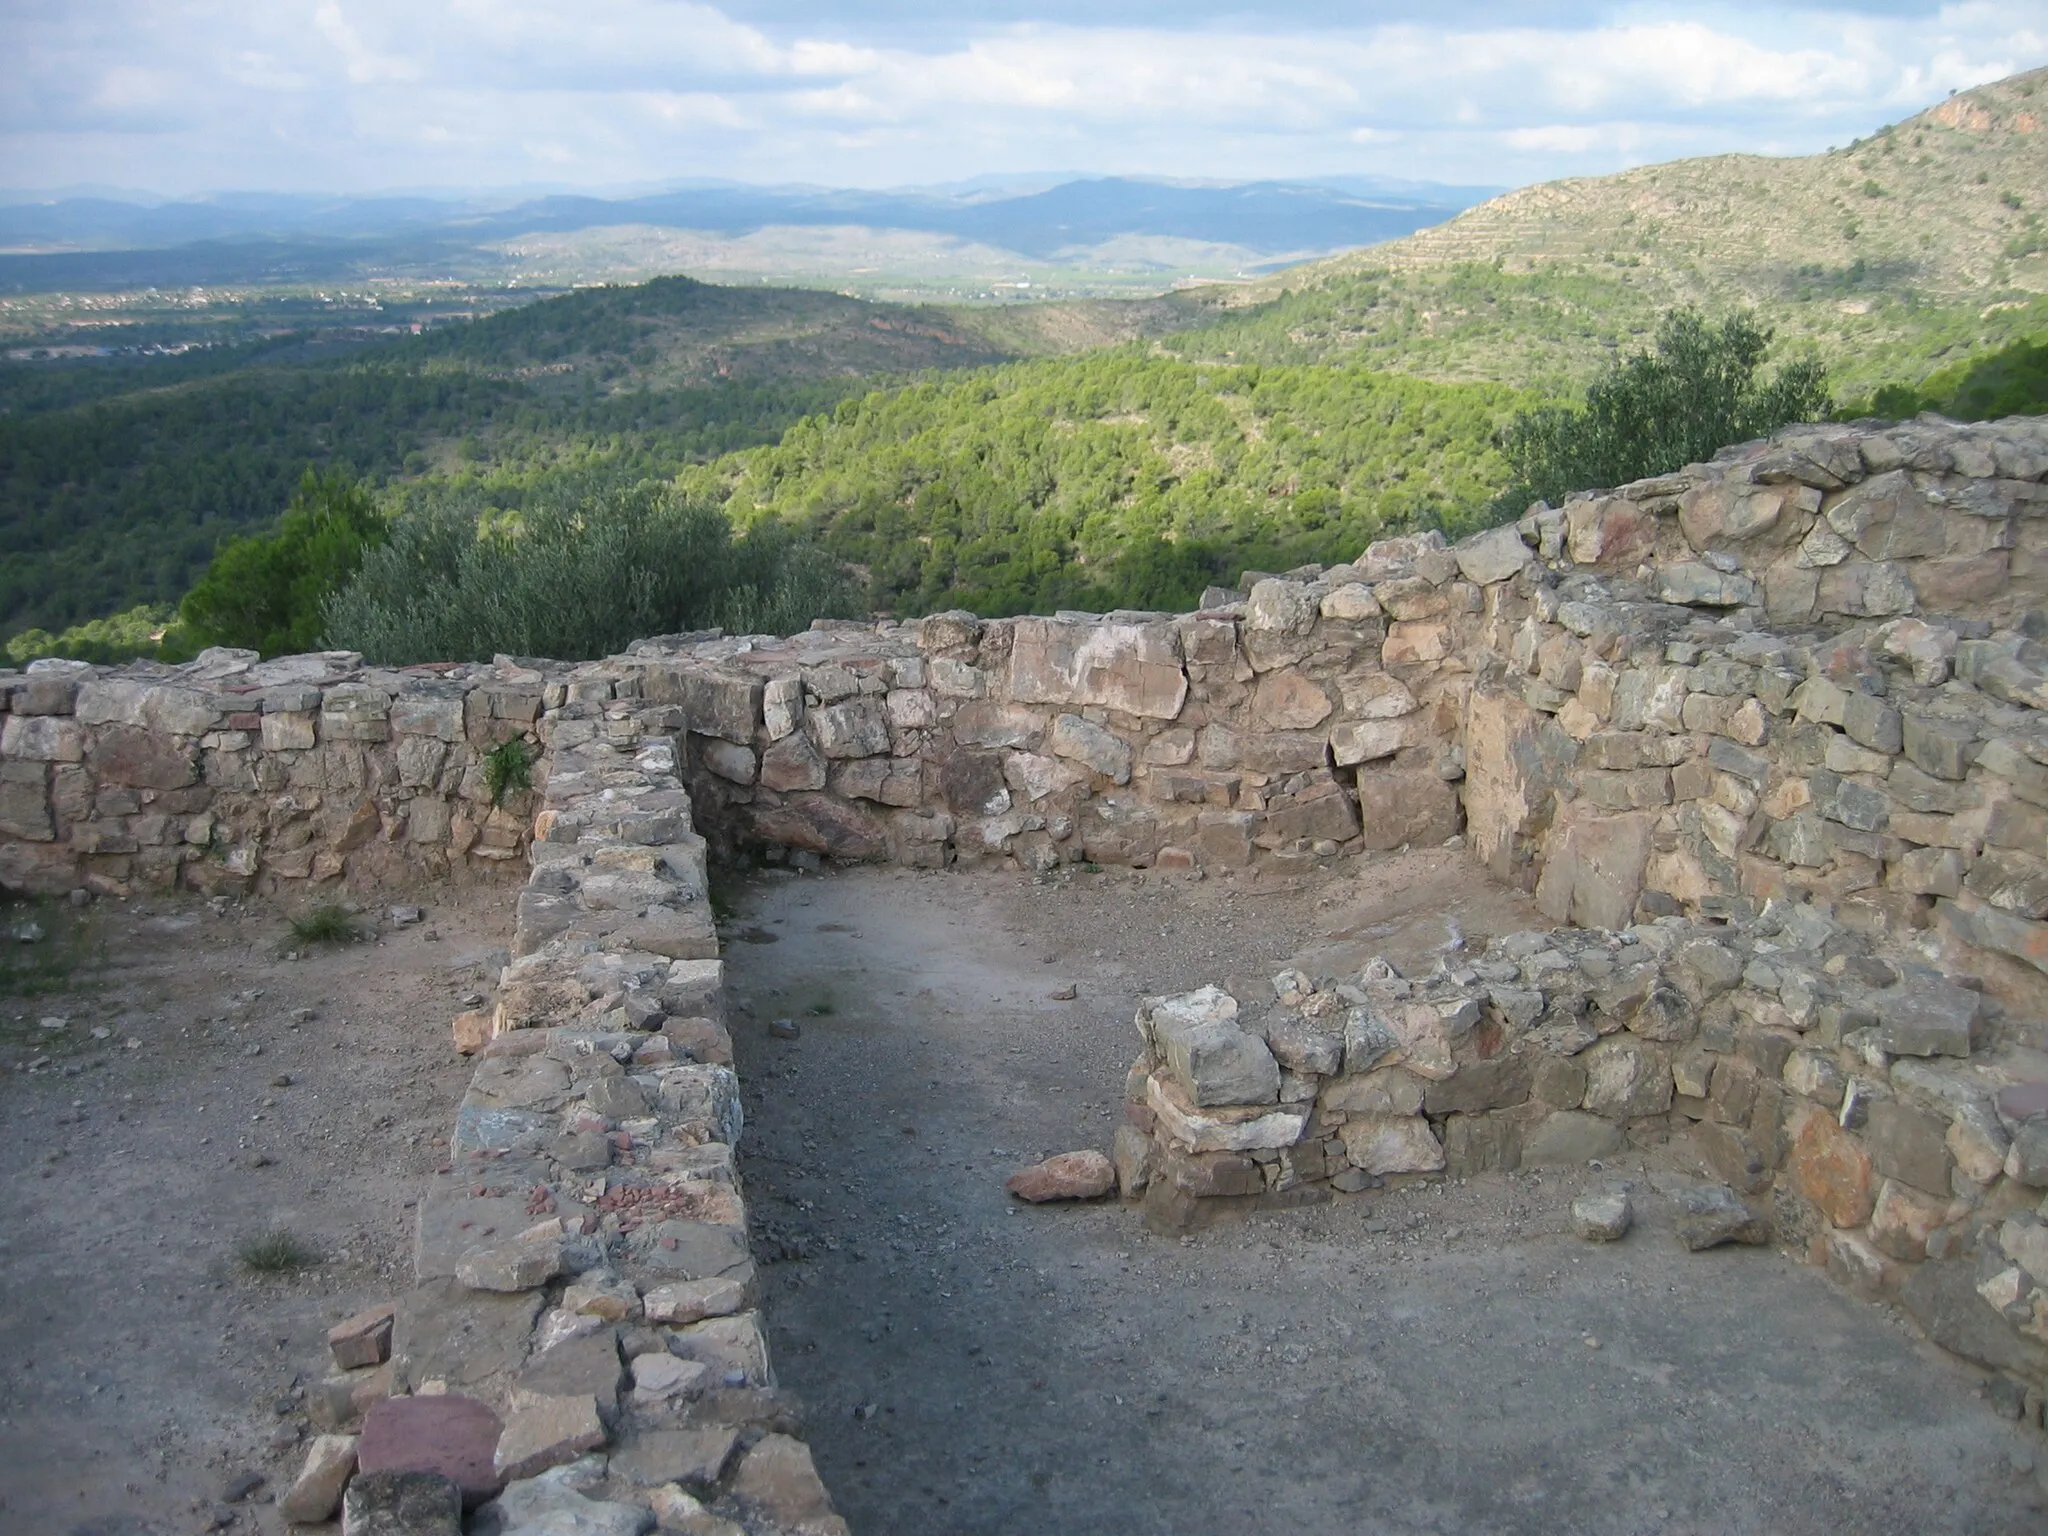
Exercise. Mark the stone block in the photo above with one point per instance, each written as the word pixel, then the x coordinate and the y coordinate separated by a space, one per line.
pixel 1627 1078
pixel 544 1431
pixel 449 1436
pixel 1712 1214
pixel 1500 1083
pixel 1363 741
pixel 1099 750
pixel 1927 1018
pixel 401 1504
pixel 1494 555
pixel 1401 805
pixel 42 739
pixel 2009 880
pixel 1908 1145
pixel 1134 668
pixel 1569 1137
pixel 1593 869
pixel 1942 748
pixel 1603 1216
pixel 779 1479
pixel 364 1339
pixel 696 1457
pixel 1383 1144
pixel 1872 723
pixel 1086 1175
pixel 1832 1171
pixel 1903 1219
pixel 856 727
pixel 1285 700
pixel 315 1493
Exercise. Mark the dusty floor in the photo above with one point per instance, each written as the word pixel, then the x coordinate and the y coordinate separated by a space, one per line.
pixel 1440 1359
pixel 145 1368
pixel 1411 1361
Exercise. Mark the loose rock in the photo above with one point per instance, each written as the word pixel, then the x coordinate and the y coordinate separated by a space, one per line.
pixel 1712 1214
pixel 1070 1176
pixel 1603 1216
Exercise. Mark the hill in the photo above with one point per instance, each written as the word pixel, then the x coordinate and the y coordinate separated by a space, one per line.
pixel 1116 479
pixel 118 477
pixel 1887 258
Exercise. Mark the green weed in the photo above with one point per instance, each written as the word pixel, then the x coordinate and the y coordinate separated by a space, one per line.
pixel 278 1251
pixel 328 923
pixel 507 767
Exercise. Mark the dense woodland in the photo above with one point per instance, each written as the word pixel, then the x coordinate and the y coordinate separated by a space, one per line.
pixel 1293 431
pixel 1118 479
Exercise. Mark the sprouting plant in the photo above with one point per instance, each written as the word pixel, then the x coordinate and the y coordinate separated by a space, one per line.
pixel 507 768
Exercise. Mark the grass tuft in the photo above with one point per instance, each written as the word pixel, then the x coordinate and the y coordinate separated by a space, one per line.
pixel 328 923
pixel 276 1252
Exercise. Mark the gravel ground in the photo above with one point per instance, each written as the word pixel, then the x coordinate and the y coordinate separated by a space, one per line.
pixel 1440 1357
pixel 147 1369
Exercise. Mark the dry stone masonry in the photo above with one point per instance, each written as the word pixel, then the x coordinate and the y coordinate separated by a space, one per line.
pixel 1767 739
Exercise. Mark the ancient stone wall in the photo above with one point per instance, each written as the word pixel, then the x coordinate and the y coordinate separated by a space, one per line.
pixel 1769 733
pixel 232 774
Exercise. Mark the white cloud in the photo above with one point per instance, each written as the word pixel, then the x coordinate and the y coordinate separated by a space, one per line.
pixel 187 94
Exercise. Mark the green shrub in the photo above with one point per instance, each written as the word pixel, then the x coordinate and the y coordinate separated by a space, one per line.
pixel 507 768
pixel 266 592
pixel 1651 412
pixel 576 577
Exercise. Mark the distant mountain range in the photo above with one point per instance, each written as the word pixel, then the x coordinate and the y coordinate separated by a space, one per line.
pixel 260 237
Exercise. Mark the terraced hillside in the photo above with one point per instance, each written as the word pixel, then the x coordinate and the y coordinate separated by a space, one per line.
pixel 1888 257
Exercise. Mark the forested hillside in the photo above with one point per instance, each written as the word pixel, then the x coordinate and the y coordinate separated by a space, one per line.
pixel 1121 478
pixel 118 479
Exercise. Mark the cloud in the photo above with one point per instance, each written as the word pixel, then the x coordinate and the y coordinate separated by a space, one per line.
pixel 353 94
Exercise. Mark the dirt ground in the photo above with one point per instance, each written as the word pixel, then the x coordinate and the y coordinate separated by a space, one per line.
pixel 1441 1358
pixel 145 1368
pixel 1432 1359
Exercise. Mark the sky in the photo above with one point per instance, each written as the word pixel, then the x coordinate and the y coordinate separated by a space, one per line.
pixel 182 97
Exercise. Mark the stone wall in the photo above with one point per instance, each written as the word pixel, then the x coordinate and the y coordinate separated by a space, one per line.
pixel 232 774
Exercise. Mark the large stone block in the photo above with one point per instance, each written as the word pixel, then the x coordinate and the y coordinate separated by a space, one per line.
pixel 1593 869
pixel 1284 700
pixel 160 707
pixel 822 824
pixel 1927 1018
pixel 42 739
pixel 1085 742
pixel 1214 1061
pixel 1135 668
pixel 1832 1171
pixel 792 763
pixel 1401 804
pixel 1627 1078
pixel 1382 1144
pixel 856 727
pixel 1908 1145
pixel 1492 556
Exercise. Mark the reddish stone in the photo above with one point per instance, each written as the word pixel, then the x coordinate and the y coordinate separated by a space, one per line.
pixel 456 1437
pixel 364 1339
pixel 1070 1176
pixel 1832 1171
